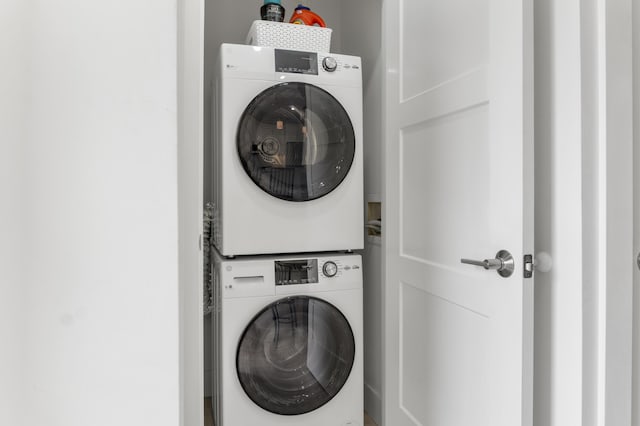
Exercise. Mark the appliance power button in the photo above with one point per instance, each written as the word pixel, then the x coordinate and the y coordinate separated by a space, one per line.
pixel 330 269
pixel 329 64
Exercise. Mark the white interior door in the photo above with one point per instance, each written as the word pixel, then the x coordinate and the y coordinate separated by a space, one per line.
pixel 459 177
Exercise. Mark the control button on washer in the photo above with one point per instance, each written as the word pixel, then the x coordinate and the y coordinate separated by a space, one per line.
pixel 330 269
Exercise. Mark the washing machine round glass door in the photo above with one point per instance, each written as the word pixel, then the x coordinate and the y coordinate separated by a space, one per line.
pixel 295 355
pixel 296 141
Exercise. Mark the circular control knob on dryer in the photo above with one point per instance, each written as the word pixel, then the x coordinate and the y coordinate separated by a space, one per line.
pixel 329 64
pixel 330 269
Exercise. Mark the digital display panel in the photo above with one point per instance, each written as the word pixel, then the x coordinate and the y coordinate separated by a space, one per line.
pixel 289 272
pixel 296 62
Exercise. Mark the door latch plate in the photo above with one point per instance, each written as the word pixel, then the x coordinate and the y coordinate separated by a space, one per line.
pixel 528 266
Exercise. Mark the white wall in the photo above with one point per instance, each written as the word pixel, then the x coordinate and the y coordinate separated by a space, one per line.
pixel 13 21
pixel 362 36
pixel 101 241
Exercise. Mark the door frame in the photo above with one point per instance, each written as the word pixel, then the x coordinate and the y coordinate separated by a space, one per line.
pixel 190 104
pixel 615 253
pixel 635 402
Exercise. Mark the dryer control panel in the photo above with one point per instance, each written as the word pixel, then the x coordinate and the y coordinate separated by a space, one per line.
pixel 262 63
pixel 310 63
pixel 296 62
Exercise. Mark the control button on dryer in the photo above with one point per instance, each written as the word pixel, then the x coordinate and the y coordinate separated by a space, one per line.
pixel 329 64
pixel 330 269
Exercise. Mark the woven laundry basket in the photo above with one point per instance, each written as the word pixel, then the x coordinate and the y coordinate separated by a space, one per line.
pixel 289 36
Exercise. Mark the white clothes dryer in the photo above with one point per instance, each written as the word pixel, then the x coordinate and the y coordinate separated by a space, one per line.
pixel 287 335
pixel 287 156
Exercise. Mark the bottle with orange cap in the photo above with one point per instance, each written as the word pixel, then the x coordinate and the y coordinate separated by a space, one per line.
pixel 304 16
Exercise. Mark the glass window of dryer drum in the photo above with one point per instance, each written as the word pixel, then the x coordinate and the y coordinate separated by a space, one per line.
pixel 296 141
pixel 295 355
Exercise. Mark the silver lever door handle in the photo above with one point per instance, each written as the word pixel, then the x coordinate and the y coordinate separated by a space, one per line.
pixel 503 263
pixel 486 264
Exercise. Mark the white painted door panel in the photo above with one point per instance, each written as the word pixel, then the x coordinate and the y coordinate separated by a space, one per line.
pixel 454 32
pixel 458 338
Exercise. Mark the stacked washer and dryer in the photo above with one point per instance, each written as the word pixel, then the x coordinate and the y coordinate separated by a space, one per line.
pixel 287 216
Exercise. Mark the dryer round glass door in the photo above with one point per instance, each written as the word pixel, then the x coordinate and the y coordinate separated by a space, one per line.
pixel 296 141
pixel 295 355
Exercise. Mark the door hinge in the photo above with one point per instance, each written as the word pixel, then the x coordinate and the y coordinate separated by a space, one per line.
pixel 528 265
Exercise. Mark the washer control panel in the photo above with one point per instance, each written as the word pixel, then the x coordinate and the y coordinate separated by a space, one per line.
pixel 309 271
pixel 263 276
pixel 296 271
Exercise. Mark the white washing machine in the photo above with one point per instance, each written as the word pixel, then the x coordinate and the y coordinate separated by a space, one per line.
pixel 287 136
pixel 287 334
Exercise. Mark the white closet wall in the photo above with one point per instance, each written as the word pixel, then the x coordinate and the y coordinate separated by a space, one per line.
pixel 99 319
pixel 362 36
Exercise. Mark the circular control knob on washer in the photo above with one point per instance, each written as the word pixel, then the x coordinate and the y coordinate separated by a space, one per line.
pixel 329 64
pixel 330 269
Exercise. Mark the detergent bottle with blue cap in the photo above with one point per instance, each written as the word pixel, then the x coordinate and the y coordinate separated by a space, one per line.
pixel 272 10
pixel 304 16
